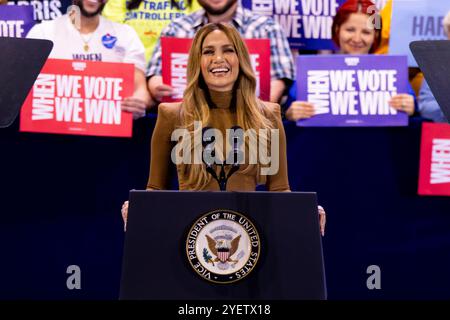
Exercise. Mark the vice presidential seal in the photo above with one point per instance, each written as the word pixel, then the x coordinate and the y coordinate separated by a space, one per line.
pixel 223 246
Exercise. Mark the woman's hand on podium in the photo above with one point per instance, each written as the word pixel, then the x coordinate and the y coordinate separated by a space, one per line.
pixel 322 220
pixel 125 215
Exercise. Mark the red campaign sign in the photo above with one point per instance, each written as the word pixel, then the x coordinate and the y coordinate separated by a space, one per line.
pixel 79 97
pixel 434 174
pixel 174 57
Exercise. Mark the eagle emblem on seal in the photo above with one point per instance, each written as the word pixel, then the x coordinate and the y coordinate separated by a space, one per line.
pixel 223 249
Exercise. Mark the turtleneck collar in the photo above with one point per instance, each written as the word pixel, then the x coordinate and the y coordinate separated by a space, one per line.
pixel 221 99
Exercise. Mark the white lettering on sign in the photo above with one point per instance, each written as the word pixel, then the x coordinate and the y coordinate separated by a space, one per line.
pixel 336 91
pixel 60 97
pixel 178 74
pixel 43 97
pixel 440 161
pixel 318 90
pixel 11 28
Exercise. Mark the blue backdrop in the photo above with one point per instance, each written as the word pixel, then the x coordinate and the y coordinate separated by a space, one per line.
pixel 61 199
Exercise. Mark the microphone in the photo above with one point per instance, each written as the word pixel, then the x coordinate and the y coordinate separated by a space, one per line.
pixel 237 139
pixel 209 153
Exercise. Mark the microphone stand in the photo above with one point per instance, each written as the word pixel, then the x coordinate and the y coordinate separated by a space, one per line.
pixel 222 179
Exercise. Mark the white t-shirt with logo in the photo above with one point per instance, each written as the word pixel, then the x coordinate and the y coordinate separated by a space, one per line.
pixel 110 42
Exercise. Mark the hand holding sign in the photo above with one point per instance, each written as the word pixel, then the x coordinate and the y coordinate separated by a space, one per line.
pixel 134 105
pixel 300 110
pixel 403 102
pixel 158 89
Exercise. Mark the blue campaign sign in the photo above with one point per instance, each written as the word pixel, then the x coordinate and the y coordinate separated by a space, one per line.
pixel 306 23
pixel 15 21
pixel 45 9
pixel 352 90
pixel 414 20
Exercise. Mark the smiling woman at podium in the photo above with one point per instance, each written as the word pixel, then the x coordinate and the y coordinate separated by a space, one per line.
pixel 220 95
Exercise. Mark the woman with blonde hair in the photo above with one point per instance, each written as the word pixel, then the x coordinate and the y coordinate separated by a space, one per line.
pixel 220 94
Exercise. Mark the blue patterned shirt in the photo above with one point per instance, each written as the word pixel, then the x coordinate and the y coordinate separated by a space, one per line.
pixel 428 106
pixel 249 25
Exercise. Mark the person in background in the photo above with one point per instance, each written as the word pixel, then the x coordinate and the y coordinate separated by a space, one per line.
pixel 86 35
pixel 249 26
pixel 352 33
pixel 428 106
pixel 148 18
pixel 220 94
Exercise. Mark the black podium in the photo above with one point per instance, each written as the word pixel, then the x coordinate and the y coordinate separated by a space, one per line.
pixel 156 266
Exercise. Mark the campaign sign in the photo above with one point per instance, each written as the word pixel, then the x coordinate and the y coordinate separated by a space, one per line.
pixel 306 23
pixel 414 20
pixel 80 97
pixel 175 52
pixel 352 90
pixel 44 9
pixel 434 174
pixel 15 21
